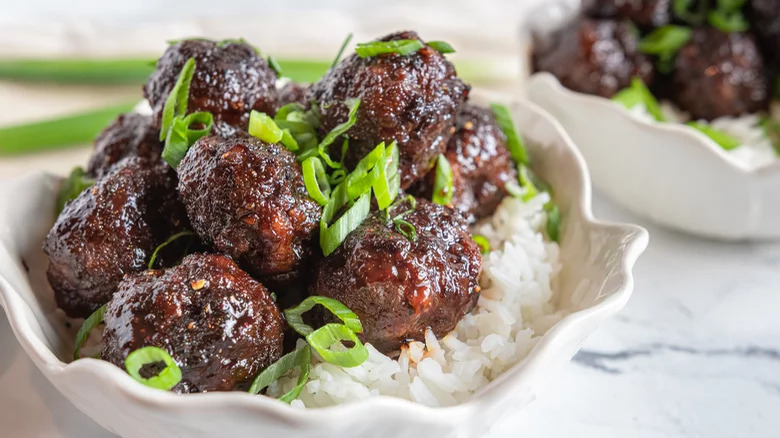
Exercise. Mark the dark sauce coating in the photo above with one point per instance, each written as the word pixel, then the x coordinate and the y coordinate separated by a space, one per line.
pixel 293 92
pixel 130 135
pixel 719 74
pixel 109 230
pixel 593 56
pixel 230 80
pixel 247 199
pixel 481 164
pixel 644 13
pixel 765 19
pixel 219 324
pixel 399 288
pixel 412 99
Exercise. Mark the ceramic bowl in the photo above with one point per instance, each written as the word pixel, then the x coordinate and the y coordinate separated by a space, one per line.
pixel 668 173
pixel 594 284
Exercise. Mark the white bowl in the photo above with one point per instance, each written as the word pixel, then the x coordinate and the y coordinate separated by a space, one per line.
pixel 666 172
pixel 595 283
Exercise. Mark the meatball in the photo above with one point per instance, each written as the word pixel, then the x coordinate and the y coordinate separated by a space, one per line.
pixel 765 17
pixel 399 287
pixel 593 56
pixel 719 74
pixel 130 135
pixel 645 13
pixel 412 99
pixel 220 325
pixel 109 230
pixel 247 199
pixel 293 93
pixel 230 81
pixel 481 164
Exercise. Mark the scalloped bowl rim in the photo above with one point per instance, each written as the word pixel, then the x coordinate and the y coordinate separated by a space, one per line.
pixel 690 135
pixel 19 313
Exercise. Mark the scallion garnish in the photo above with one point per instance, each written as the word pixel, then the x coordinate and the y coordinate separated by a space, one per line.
pixel 728 16
pixel 400 47
pixel 300 358
pixel 482 242
pixel 637 93
pixel 338 131
pixel 513 140
pixel 72 187
pixel 442 47
pixel 526 178
pixel 665 42
pixel 406 229
pixel 86 328
pixel 682 10
pixel 170 240
pixel 176 126
pixel 771 129
pixel 442 185
pixel 294 315
pixel 723 139
pixel 165 379
pixel 274 64
pixel 262 126
pixel 341 50
pixel 331 236
pixel 553 225
pixel 316 180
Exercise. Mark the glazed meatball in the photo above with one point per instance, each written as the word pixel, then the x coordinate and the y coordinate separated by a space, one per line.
pixel 130 135
pixel 247 199
pixel 230 80
pixel 109 230
pixel 293 93
pixel 719 74
pixel 481 164
pixel 593 56
pixel 220 325
pixel 397 287
pixel 412 99
pixel 765 17
pixel 645 13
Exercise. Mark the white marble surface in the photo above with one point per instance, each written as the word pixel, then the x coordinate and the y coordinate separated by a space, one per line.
pixel 695 354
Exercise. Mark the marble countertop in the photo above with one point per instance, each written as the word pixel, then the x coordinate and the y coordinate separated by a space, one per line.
pixel 696 353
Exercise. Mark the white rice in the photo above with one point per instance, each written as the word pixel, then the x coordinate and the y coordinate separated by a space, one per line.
pixel 756 149
pixel 515 308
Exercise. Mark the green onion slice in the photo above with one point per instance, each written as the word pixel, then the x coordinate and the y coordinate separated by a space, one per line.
pixel 341 50
pixel 387 183
pixel 337 176
pixel 170 240
pixel 89 324
pixel 406 229
pixel 284 112
pixel 329 335
pixel 723 139
pixel 262 126
pixel 274 65
pixel 180 135
pixel 71 188
pixel 482 242
pixel 724 21
pixel 331 236
pixel 665 42
pixel 176 103
pixel 553 225
pixel 360 180
pixel 400 47
pixel 442 47
pixel 638 93
pixel 294 315
pixel 513 140
pixel 526 178
pixel 339 130
pixel 166 379
pixel 316 180
pixel 412 206
pixel 771 129
pixel 289 141
pixel 442 185
pixel 300 358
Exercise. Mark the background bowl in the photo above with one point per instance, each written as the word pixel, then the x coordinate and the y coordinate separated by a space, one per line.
pixel 595 283
pixel 668 173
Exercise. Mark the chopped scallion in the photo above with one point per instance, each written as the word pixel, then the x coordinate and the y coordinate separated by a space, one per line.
pixel 553 225
pixel 325 337
pixel 170 240
pixel 300 358
pixel 482 242
pixel 441 46
pixel 723 139
pixel 316 180
pixel 274 64
pixel 665 42
pixel 513 140
pixel 331 236
pixel 400 47
pixel 176 103
pixel 443 185
pixel 638 93
pixel 294 315
pixel 72 187
pixel 166 379
pixel 341 50
pixel 86 328
pixel 406 229
pixel 338 131
pixel 262 126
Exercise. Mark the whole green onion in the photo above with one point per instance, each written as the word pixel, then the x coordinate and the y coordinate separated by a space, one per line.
pixel 300 358
pixel 442 184
pixel 400 47
pixel 166 379
pixel 294 316
pixel 87 326
pixel 71 188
